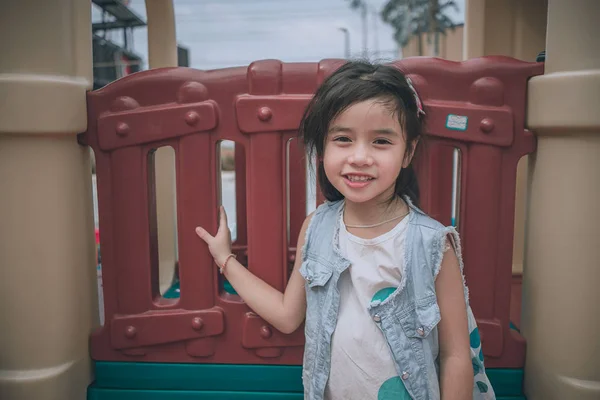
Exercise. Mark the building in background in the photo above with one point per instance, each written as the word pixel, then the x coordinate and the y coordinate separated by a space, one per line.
pixel 114 59
pixel 450 45
pixel 114 55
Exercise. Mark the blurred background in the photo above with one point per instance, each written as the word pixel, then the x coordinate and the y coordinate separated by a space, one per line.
pixel 223 33
pixel 214 34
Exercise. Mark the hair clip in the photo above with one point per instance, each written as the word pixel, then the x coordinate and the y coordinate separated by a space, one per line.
pixel 420 110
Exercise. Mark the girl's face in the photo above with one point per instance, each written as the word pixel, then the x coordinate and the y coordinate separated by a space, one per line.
pixel 364 152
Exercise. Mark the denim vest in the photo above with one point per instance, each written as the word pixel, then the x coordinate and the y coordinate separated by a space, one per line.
pixel 408 318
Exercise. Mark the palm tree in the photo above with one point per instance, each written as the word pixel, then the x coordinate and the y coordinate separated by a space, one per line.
pixel 414 18
pixel 439 22
pixel 408 18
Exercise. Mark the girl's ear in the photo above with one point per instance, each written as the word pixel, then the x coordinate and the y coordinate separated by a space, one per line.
pixel 408 155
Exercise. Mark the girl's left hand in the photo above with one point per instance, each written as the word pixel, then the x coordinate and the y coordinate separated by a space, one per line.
pixel 220 244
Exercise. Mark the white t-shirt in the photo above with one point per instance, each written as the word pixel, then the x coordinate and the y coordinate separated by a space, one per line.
pixel 361 363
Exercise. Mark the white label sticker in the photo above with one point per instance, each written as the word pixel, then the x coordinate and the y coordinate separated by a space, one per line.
pixel 457 122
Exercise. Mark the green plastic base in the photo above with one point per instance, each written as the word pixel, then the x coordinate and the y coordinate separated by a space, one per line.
pixel 205 377
pixel 157 381
pixel 122 394
pixel 110 394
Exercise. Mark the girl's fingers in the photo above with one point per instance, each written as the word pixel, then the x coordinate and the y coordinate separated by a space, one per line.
pixel 201 232
pixel 223 216
pixel 222 219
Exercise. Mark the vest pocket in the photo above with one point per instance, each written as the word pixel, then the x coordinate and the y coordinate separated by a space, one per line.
pixel 314 274
pixel 422 319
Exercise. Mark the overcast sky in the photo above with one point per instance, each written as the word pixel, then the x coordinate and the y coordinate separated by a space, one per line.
pixel 222 33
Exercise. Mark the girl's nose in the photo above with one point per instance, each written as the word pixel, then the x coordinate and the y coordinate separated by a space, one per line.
pixel 360 157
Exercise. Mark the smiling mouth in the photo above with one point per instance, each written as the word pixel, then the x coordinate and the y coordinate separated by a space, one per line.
pixel 357 181
pixel 358 178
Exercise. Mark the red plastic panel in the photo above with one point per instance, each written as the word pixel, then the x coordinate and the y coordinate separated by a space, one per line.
pixel 259 108
pixel 270 113
pixel 146 329
pixel 491 93
pixel 153 124
pixel 259 335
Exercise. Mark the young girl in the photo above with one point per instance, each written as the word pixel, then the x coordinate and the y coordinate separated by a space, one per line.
pixel 378 283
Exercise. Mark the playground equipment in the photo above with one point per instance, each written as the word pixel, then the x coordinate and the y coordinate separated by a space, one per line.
pixel 259 108
pixel 206 344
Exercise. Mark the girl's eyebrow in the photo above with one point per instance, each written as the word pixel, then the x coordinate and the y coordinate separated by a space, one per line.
pixel 338 128
pixel 385 131
pixel 380 131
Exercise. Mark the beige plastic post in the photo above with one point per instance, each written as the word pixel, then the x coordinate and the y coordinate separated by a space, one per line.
pixel 516 29
pixel 561 320
pixel 162 52
pixel 499 27
pixel 48 292
pixel 474 30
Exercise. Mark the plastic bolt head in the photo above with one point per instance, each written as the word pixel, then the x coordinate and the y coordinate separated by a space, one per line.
pixel 122 129
pixel 265 114
pixel 487 125
pixel 192 118
pixel 265 332
pixel 197 323
pixel 130 332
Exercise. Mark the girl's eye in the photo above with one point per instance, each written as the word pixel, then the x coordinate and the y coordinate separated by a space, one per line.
pixel 341 139
pixel 382 141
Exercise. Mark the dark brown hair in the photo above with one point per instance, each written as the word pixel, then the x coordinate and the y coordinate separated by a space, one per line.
pixel 355 82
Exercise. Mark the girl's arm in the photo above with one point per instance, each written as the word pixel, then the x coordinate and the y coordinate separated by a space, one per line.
pixel 285 311
pixel 456 369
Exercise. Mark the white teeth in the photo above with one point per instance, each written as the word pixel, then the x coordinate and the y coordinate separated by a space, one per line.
pixel 355 178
